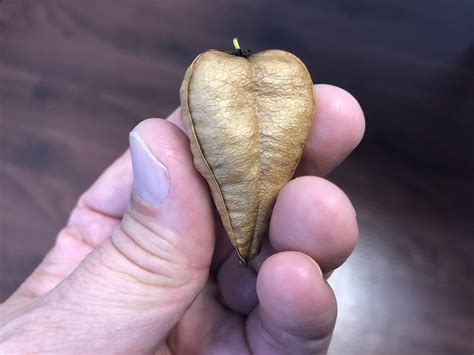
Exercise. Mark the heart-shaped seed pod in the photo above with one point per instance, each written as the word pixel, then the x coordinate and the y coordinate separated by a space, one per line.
pixel 248 118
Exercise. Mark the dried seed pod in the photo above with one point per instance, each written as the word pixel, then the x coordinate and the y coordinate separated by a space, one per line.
pixel 248 118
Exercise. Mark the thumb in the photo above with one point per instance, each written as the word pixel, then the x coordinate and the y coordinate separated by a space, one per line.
pixel 131 291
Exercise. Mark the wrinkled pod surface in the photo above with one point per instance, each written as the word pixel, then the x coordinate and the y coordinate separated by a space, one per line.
pixel 248 119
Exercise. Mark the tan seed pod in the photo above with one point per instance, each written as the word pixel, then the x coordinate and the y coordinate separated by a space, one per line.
pixel 248 119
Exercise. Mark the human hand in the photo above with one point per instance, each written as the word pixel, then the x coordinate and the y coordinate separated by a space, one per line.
pixel 156 272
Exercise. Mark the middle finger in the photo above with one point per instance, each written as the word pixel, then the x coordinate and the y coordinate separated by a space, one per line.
pixel 312 216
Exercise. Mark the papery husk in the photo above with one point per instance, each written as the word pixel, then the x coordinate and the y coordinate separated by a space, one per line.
pixel 248 119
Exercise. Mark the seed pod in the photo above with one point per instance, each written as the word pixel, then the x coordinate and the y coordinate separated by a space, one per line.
pixel 248 118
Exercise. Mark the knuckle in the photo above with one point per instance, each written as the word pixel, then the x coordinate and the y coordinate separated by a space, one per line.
pixel 152 257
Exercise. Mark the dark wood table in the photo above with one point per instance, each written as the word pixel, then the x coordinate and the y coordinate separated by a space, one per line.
pixel 76 76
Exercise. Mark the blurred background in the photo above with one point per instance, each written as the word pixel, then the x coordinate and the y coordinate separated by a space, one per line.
pixel 77 76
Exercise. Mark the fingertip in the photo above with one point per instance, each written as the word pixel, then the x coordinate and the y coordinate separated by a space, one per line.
pixel 168 133
pixel 315 217
pixel 344 110
pixel 338 128
pixel 294 297
pixel 171 146
pixel 237 285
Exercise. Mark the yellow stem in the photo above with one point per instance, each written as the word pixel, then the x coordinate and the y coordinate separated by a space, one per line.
pixel 235 41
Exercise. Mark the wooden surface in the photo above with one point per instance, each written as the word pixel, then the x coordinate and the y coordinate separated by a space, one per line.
pixel 76 76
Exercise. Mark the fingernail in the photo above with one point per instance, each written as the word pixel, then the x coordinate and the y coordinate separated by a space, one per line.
pixel 150 176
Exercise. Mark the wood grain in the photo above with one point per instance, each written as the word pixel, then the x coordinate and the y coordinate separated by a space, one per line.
pixel 75 77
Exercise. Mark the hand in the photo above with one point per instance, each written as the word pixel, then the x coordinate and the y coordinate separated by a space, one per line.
pixel 155 272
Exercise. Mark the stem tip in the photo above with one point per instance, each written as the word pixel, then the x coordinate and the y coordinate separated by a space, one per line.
pixel 235 41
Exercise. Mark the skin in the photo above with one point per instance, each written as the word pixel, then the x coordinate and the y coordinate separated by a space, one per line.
pixel 113 295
